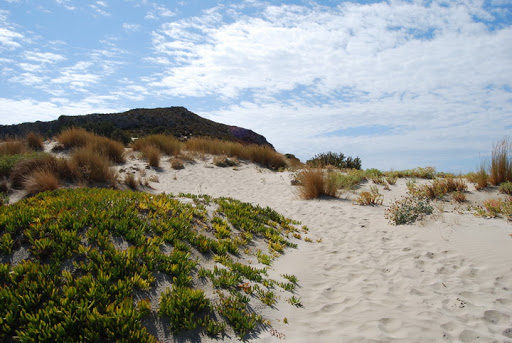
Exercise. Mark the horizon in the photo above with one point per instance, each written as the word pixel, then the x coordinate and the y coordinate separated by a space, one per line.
pixel 400 84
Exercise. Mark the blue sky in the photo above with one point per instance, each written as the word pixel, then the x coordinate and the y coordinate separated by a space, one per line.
pixel 400 84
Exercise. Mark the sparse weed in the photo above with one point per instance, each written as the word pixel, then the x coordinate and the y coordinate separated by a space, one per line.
pixel 496 208
pixel 130 181
pixel 369 198
pixel 293 300
pixel 224 161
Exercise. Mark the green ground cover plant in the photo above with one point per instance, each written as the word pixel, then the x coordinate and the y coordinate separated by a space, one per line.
pixel 78 285
pixel 408 209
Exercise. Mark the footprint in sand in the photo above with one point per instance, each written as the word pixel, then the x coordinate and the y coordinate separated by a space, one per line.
pixel 390 324
pixel 495 317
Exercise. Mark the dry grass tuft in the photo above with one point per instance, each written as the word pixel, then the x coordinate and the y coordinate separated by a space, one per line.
pixel 165 144
pixel 34 141
pixel 27 166
pixel 74 138
pixel 109 148
pixel 14 147
pixel 92 166
pixel 263 155
pixel 314 182
pixel 501 162
pixel 41 181
pixel 480 178
pixel 78 138
pixel 177 163
pixel 152 155
pixel 131 182
pixel 459 197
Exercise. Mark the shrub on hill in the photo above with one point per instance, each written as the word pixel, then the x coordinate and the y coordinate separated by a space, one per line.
pixel 337 160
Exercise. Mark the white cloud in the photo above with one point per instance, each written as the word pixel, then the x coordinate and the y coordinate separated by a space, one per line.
pixel 65 4
pixel 158 11
pixel 131 27
pixel 9 38
pixel 44 57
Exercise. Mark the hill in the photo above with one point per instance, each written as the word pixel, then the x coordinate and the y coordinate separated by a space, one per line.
pixel 177 121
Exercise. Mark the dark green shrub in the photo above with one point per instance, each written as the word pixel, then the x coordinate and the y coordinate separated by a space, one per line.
pixel 337 160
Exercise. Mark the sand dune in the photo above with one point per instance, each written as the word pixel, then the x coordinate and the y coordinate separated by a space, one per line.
pixel 448 278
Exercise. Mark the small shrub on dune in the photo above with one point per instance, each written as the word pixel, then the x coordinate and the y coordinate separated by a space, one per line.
pixel 293 162
pixel 167 145
pixel 459 197
pixel 337 160
pixel 408 210
pixel 372 198
pixel 496 208
pixel 41 181
pixel 224 161
pixel 92 166
pixel 391 179
pixel 35 141
pixel 10 148
pixel 501 162
pixel 177 164
pixel 506 188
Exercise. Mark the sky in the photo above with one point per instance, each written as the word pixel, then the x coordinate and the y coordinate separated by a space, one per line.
pixel 400 84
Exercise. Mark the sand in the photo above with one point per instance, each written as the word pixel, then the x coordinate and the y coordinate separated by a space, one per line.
pixel 447 278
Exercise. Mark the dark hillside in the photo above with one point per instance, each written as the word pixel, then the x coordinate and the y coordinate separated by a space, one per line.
pixel 177 121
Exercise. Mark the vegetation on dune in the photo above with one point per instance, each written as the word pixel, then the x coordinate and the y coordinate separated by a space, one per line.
pixel 94 257
pixel 263 155
pixel 337 160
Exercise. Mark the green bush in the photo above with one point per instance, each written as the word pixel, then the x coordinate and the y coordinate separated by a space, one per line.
pixel 408 210
pixel 337 160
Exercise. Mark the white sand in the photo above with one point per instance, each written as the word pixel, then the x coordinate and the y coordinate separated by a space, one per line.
pixel 448 278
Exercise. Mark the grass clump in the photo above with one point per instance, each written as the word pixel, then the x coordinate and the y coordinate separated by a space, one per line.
pixel 501 162
pixel 438 188
pixel 314 182
pixel 131 182
pixel 480 178
pixel 152 155
pixel 92 166
pixel 34 141
pixel 76 285
pixel 408 210
pixel 459 197
pixel 373 197
pixel 263 155
pixel 13 147
pixel 76 138
pixel 165 144
pixel 337 160
pixel 41 181
pixel 177 163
